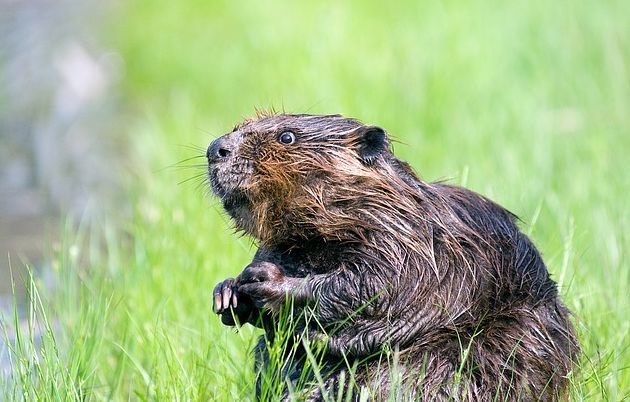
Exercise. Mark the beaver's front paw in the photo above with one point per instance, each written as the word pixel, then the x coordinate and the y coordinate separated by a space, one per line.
pixel 265 283
pixel 230 304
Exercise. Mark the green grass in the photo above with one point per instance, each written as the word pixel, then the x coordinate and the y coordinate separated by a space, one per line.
pixel 525 102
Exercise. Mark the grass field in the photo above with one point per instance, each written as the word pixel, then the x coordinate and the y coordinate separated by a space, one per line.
pixel 525 102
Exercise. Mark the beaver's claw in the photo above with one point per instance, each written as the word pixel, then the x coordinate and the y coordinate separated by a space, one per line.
pixel 230 304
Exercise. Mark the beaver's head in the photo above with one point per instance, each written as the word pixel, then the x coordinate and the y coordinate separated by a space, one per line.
pixel 299 175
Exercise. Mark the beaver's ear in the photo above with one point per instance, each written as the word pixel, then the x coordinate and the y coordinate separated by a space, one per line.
pixel 372 141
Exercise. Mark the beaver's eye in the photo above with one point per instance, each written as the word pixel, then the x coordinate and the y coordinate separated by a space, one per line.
pixel 286 137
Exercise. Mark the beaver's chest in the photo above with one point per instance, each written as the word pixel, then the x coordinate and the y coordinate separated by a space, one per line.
pixel 308 258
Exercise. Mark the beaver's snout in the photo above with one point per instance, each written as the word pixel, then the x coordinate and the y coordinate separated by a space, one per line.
pixel 228 171
pixel 219 149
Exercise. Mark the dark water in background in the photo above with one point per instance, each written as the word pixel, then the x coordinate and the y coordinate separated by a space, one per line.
pixel 58 118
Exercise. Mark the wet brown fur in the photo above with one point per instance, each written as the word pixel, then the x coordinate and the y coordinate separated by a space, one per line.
pixel 437 272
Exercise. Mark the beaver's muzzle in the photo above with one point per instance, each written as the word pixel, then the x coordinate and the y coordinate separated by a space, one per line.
pixel 219 150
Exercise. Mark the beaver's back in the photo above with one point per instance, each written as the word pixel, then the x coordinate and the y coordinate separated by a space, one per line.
pixel 513 268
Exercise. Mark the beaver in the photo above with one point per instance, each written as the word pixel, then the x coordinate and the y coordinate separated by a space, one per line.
pixel 382 260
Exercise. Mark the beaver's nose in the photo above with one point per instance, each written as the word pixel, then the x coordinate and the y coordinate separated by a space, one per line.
pixel 218 149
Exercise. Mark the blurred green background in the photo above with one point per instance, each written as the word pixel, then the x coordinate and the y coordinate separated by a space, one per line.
pixel 525 102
